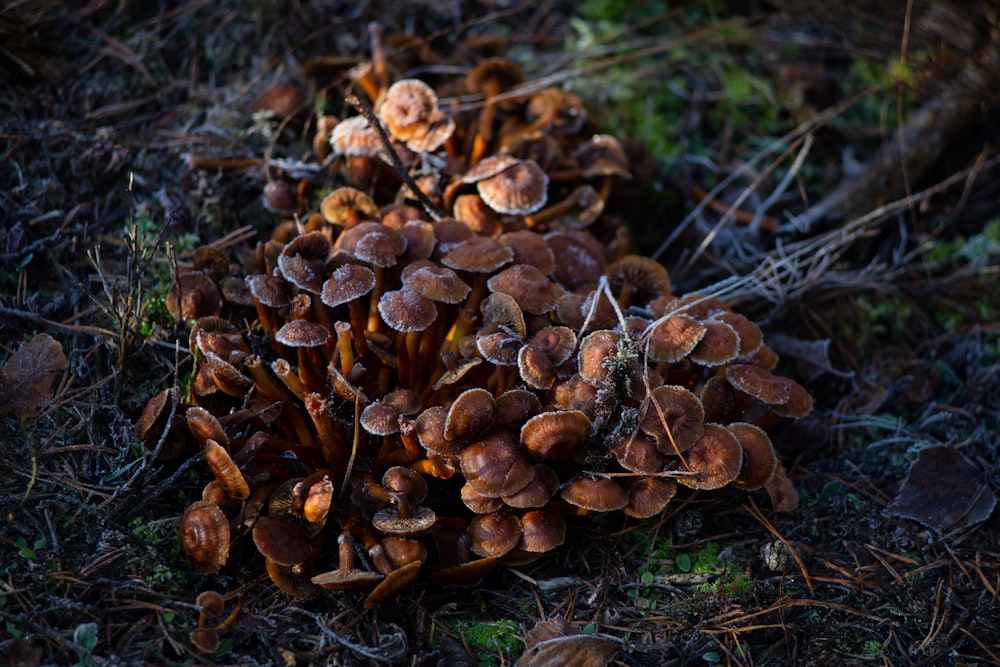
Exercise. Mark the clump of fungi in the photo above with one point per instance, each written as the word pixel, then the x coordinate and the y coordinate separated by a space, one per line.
pixel 455 354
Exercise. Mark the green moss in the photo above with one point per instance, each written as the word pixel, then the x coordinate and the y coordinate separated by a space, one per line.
pixel 492 643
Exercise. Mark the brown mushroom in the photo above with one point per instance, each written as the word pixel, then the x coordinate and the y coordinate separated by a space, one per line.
pixel 346 577
pixel 648 496
pixel 225 470
pixel 555 436
pixel 494 466
pixel 517 190
pixel 281 541
pixel 759 458
pixel 671 339
pixel 716 458
pixel 531 289
pixel 494 534
pixel 674 416
pixel 193 295
pixel 595 494
pixel 469 415
pixel 541 531
pixel 204 536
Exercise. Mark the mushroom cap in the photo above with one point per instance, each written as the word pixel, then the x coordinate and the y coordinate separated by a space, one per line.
pixel 288 579
pixel 354 137
pixel 494 466
pixel 281 541
pixel 558 342
pixel 717 458
pixel 759 458
pixel 580 263
pixel 477 502
pixel 302 333
pixel 500 348
pixel 473 211
pixel 541 531
pixel 347 283
pixel 400 479
pixel 346 206
pixel 380 418
pixel 520 189
pixel 270 291
pixel 644 279
pixel 407 400
pixel 516 406
pixel 430 431
pixel 205 535
pixel 535 368
pixel 721 400
pixel 494 534
pixel 151 424
pixel 500 310
pixel 394 582
pixel 406 310
pixel 388 520
pixel 372 243
pixel 565 108
pixel 420 240
pixel 225 470
pixel 672 339
pixel 532 290
pixel 751 337
pixel 555 436
pixel 319 500
pixel 234 290
pixel 603 155
pixel 493 75
pixel 205 640
pixel 304 261
pixel 597 494
pixel 674 416
pixel 719 345
pixel 639 454
pixel 539 490
pixel 471 413
pixel 477 254
pixel 210 603
pixel 586 206
pixel 193 295
pixel 437 283
pixel 346 580
pixel 799 403
pixel 406 108
pixel 530 248
pixel 759 383
pixel 402 551
pixel 648 496
pixel 204 426
pixel 595 349
pixel 488 167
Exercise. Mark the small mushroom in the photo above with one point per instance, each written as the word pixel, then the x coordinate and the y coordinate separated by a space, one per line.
pixel 346 577
pixel 555 436
pixel 674 416
pixel 648 496
pixel 205 536
pixel 495 534
pixel 759 458
pixel 541 531
pixel 596 494
pixel 494 466
pixel 717 457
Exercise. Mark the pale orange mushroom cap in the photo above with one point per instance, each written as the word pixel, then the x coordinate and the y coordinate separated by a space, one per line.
pixel 494 534
pixel 541 531
pixel 517 190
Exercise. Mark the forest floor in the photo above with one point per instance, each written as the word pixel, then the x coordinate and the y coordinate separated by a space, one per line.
pixel 839 167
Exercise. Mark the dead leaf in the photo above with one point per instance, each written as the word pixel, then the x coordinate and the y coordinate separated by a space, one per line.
pixel 944 491
pixel 27 379
pixel 553 643
pixel 784 497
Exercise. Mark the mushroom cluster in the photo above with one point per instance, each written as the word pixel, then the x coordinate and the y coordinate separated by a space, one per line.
pixel 446 364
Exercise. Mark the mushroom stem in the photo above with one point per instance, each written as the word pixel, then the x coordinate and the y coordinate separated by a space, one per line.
pixel 553 211
pixel 484 127
pixel 403 359
pixel 344 349
pixel 331 436
pixel 358 315
pixel 380 65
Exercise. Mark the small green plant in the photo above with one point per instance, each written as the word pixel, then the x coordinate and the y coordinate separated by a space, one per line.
pixel 872 649
pixel 85 637
pixel 492 643
pixel 29 552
